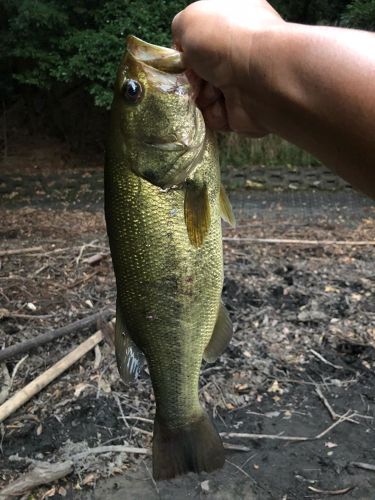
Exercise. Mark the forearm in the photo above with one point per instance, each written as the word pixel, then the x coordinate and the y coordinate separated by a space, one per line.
pixel 317 90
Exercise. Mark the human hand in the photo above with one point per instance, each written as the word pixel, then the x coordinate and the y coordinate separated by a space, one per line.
pixel 221 47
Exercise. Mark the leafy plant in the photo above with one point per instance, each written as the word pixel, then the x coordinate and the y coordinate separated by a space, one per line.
pixel 360 14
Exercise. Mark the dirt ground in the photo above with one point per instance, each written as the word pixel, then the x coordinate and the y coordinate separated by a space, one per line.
pixel 300 365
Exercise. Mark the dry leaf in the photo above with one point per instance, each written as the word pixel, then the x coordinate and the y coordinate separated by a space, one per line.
pixel 79 388
pixel 50 493
pixel 275 388
pixel 89 479
pixel 205 486
pixel 328 444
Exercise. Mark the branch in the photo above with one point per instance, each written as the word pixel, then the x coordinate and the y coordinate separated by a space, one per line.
pixel 34 387
pixel 301 242
pixel 22 347
pixel 43 473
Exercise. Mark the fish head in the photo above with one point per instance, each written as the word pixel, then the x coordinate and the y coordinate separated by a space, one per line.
pixel 153 111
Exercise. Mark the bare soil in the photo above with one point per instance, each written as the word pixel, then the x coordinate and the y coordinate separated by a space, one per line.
pixel 302 357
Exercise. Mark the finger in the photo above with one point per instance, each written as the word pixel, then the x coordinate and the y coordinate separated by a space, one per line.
pixel 195 83
pixel 176 30
pixel 215 116
pixel 208 95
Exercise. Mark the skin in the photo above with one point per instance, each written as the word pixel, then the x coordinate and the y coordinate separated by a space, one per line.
pixel 257 74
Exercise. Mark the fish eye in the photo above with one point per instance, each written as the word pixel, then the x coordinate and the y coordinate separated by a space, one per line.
pixel 132 91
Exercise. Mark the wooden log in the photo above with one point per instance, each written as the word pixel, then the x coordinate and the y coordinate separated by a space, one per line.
pixel 34 387
pixel 42 473
pixel 28 345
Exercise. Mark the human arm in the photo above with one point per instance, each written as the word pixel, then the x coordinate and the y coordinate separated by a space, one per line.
pixel 312 85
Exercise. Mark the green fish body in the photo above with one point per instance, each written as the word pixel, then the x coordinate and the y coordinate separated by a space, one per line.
pixel 163 206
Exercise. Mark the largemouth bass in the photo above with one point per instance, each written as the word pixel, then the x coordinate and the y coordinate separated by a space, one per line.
pixel 163 206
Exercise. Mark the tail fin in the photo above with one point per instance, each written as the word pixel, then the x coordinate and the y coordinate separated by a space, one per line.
pixel 195 447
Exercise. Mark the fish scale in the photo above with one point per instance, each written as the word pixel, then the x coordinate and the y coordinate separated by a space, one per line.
pixel 166 248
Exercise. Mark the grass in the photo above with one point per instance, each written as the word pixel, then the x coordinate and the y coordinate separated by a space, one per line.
pixel 271 150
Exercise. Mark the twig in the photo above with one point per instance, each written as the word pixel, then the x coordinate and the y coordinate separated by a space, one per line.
pixel 362 465
pixel 241 470
pixel 324 360
pixel 331 492
pixel 6 383
pixel 110 449
pixel 278 437
pixel 34 387
pixel 343 418
pixel 142 431
pixel 331 411
pixel 26 346
pixel 236 447
pixel 301 242
pixel 121 410
pixel 15 369
pixel 152 479
pixel 141 419
pixel 16 251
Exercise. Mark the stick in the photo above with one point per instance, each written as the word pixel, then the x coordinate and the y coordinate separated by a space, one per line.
pixel 26 346
pixel 301 242
pixel 236 447
pixel 331 492
pixel 25 394
pixel 362 465
pixel 264 436
pixel 343 418
pixel 15 251
pixel 324 360
pixel 43 473
pixel 5 389
pixel 110 449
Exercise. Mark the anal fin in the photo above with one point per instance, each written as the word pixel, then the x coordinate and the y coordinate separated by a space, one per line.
pixel 226 207
pixel 128 356
pixel 221 336
pixel 197 212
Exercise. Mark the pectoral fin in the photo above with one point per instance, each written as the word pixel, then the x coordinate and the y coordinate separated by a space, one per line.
pixel 128 356
pixel 197 212
pixel 226 207
pixel 220 337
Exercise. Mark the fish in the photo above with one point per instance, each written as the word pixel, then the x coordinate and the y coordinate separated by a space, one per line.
pixel 164 202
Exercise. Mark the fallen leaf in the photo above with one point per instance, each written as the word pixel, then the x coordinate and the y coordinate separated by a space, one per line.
pixel 328 444
pixel 79 388
pixel 275 388
pixel 205 486
pixel 89 479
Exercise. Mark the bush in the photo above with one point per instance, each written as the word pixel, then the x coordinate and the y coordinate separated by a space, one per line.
pixel 360 14
pixel 53 46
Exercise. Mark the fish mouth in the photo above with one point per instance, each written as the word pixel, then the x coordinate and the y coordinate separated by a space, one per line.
pixel 160 58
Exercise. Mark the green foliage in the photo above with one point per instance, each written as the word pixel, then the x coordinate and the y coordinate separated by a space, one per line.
pixel 360 14
pixel 50 45
pixel 311 11
pixel 271 150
